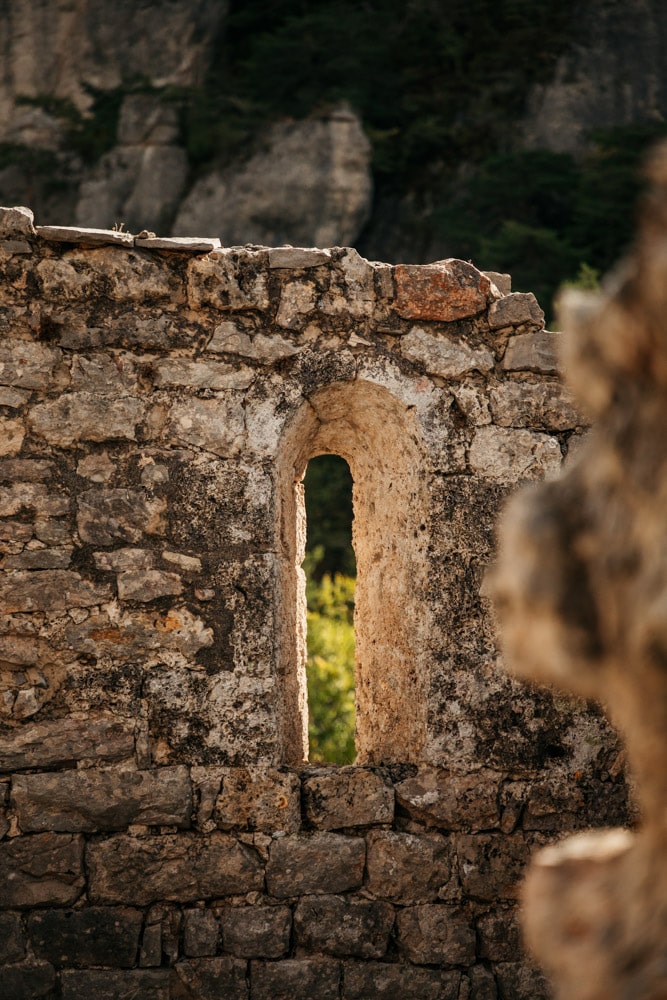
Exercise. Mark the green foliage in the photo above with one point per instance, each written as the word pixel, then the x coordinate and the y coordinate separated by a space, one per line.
pixel 328 485
pixel 330 670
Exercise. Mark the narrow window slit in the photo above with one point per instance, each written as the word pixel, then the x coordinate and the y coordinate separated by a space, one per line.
pixel 330 570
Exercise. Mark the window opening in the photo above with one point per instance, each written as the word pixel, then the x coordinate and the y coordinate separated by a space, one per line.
pixel 330 569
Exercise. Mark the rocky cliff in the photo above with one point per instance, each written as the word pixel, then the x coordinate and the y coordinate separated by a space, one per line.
pixel 92 100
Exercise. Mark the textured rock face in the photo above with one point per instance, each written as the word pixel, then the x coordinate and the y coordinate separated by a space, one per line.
pixel 161 834
pixel 580 591
pixel 613 74
pixel 312 184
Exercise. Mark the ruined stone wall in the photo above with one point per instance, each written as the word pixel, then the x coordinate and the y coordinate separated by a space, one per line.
pixel 161 834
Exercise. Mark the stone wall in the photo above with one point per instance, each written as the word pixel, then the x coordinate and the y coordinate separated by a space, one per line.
pixel 160 831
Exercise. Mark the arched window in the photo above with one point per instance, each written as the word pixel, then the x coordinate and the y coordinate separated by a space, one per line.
pixel 378 437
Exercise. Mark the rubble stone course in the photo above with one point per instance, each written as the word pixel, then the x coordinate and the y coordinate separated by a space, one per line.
pixel 162 835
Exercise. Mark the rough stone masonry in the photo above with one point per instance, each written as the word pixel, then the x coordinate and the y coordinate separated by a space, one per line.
pixel 161 832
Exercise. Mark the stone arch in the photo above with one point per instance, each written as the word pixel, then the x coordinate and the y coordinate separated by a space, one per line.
pixel 378 436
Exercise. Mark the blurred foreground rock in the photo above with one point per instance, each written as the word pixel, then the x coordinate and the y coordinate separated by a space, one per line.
pixel 581 589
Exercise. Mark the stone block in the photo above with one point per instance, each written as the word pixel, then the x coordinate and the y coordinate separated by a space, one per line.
pixel 18 221
pixel 32 497
pixel 539 404
pixel 499 936
pixel 503 282
pixel 348 796
pixel 53 591
pixel 436 934
pixel 384 981
pixel 209 979
pixel 510 454
pixel 28 365
pixel 534 352
pixel 259 798
pixel 256 931
pixel 92 800
pixel 201 932
pixel 451 801
pixel 445 291
pixel 108 516
pixel 84 236
pixel 39 559
pixel 178 244
pixel 124 560
pixel 61 742
pixel 12 938
pixel 219 282
pixel 228 338
pixel 491 865
pixel 482 984
pixel 297 299
pixel 295 258
pixel 406 868
pixel 179 868
pixel 112 984
pixel 41 870
pixel 28 981
pixel 516 309
pixel 200 374
pixel 443 356
pixel 148 585
pixel 343 927
pixel 214 425
pixel 91 936
pixel 12 433
pixel 321 863
pixel 522 981
pixel 13 398
pixel 305 978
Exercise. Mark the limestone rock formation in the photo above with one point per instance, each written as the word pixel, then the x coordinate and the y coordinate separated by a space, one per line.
pixel 311 183
pixel 581 590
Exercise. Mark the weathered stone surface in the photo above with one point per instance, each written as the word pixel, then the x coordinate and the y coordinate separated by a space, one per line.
pixel 12 938
pixel 322 863
pixel 178 244
pixel 13 398
pixel 113 515
pixel 12 433
pixel 215 425
pixel 111 984
pixel 201 374
pixel 229 339
pixel 435 934
pixel 351 289
pixel 442 356
pixel 516 309
pixel 294 258
pixel 348 796
pixel 33 497
pixel 306 978
pixel 534 352
pixel 16 222
pixel 62 741
pixel 452 801
pixel 491 865
pixel 344 927
pixel 503 282
pixel 180 868
pixel 215 280
pixel 257 798
pixel 445 291
pixel 124 560
pixel 297 299
pixel 84 416
pixel 147 585
pixel 482 983
pixel 49 590
pixel 102 799
pixel 92 936
pixel 201 932
pixel 540 404
pixel 511 454
pixel 27 982
pixel 256 931
pixel 382 981
pixel 27 365
pixel 406 868
pixel 499 936
pixel 521 980
pixel 209 979
pixel 39 559
pixel 44 869
pixel 87 237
